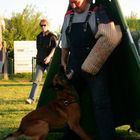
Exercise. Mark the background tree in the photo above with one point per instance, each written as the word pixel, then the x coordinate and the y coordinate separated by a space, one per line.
pixel 21 26
pixel 133 22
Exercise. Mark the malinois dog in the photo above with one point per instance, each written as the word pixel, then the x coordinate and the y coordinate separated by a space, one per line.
pixel 63 110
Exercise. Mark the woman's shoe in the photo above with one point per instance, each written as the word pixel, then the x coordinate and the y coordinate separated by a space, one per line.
pixel 29 101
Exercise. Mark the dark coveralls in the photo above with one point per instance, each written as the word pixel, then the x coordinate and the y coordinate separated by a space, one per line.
pixel 80 40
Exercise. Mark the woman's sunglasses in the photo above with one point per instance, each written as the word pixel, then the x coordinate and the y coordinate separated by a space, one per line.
pixel 43 25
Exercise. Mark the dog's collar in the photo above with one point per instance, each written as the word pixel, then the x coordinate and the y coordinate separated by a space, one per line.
pixel 66 102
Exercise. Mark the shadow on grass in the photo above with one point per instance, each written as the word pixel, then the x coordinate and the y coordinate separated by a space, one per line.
pixel 13 111
pixel 125 135
pixel 51 135
pixel 15 84
pixel 12 101
pixel 18 84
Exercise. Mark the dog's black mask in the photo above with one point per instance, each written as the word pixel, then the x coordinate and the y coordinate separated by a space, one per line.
pixel 58 87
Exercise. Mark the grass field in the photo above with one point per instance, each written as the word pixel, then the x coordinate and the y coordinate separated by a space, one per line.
pixel 12 105
pixel 13 108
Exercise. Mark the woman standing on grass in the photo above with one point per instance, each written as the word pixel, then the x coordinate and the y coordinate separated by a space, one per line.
pixel 46 43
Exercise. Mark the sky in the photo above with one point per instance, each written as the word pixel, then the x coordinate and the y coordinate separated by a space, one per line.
pixel 129 6
pixel 54 10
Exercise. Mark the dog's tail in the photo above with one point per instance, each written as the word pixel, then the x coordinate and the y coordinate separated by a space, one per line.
pixel 13 136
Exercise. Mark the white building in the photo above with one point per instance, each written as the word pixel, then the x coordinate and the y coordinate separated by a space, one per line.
pixel 24 51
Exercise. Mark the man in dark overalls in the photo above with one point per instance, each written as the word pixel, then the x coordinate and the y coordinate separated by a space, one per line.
pixel 78 38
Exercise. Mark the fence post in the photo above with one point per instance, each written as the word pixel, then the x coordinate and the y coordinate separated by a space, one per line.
pixel 10 67
pixel 33 67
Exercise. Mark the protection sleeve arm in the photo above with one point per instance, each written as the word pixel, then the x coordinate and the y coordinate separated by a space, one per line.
pixel 108 37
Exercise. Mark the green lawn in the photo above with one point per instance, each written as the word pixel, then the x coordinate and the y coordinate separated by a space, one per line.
pixel 13 108
pixel 12 105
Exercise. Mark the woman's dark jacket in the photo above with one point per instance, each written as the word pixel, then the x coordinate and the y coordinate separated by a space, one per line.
pixel 45 44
